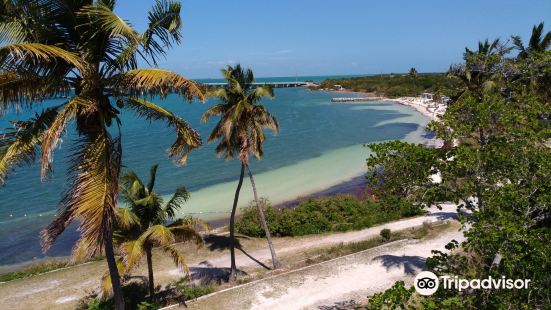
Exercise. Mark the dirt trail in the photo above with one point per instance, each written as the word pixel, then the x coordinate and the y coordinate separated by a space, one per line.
pixel 352 277
pixel 61 289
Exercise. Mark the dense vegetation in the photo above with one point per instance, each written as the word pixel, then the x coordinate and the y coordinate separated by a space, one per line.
pixel 326 214
pixel 398 85
pixel 498 169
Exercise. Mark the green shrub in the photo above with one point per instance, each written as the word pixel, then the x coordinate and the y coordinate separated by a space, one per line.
pixel 396 297
pixel 319 215
pixel 385 234
pixel 144 305
pixel 194 291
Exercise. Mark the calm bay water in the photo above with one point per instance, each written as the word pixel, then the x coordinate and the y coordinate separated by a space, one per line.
pixel 320 145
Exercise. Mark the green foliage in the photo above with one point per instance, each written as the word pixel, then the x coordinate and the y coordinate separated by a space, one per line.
pixel 385 234
pixel 499 169
pixel 34 270
pixel 134 294
pixel 403 170
pixel 100 304
pixel 144 305
pixel 194 291
pixel 396 297
pixel 397 85
pixel 326 214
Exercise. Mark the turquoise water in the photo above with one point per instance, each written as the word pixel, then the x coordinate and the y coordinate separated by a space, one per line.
pixel 320 145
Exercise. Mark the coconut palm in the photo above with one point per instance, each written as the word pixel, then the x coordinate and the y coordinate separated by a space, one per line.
pixel 413 73
pixel 142 225
pixel 240 132
pixel 538 42
pixel 80 49
pixel 479 74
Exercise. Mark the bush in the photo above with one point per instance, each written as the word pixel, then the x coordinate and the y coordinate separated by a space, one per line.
pixel 193 291
pixel 385 234
pixel 134 296
pixel 144 305
pixel 326 214
pixel 396 297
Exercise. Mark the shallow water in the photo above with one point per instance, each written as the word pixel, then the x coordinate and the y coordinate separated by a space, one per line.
pixel 320 145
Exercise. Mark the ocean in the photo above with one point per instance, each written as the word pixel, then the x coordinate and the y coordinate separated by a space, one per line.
pixel 320 145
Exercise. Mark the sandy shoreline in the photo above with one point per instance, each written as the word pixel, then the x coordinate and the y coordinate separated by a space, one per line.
pixel 407 101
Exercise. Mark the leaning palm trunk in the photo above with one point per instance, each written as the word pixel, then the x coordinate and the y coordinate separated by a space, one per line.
pixel 275 261
pixel 148 255
pixel 114 272
pixel 233 272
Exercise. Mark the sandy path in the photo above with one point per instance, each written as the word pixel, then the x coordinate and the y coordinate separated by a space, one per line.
pixel 350 277
pixel 61 289
pixel 327 240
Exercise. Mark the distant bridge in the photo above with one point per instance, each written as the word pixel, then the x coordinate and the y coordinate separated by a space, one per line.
pixel 273 84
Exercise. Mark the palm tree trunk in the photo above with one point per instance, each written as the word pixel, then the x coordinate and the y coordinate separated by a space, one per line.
pixel 275 261
pixel 150 274
pixel 233 272
pixel 113 271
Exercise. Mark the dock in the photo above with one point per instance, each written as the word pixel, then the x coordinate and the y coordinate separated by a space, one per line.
pixel 356 99
pixel 273 84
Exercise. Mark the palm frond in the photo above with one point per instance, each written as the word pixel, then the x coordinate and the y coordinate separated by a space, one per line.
pixel 80 250
pixel 132 253
pixel 36 53
pixel 126 219
pixel 215 110
pixel 53 135
pixel 176 201
pixel 240 128
pixel 163 28
pixel 263 91
pixel 11 32
pixel 92 197
pixel 104 20
pixel 140 82
pixel 187 138
pixel 158 235
pixel 177 257
pixel 20 90
pixel 18 145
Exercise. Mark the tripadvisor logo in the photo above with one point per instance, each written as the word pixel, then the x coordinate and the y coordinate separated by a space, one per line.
pixel 426 283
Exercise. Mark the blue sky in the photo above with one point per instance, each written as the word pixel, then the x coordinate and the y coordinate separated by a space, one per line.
pixel 308 37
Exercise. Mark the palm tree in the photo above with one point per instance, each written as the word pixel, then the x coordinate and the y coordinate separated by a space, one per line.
pixel 413 73
pixel 240 131
pixel 141 226
pixel 537 43
pixel 82 50
pixel 479 74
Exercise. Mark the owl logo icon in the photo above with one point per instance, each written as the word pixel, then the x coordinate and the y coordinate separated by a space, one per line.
pixel 426 283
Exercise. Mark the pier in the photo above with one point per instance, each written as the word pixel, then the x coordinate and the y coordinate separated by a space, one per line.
pixel 356 99
pixel 273 84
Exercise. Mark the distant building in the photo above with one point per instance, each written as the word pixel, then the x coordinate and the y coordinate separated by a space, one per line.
pixel 427 96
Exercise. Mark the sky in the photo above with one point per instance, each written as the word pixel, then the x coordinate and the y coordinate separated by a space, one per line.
pixel 317 37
